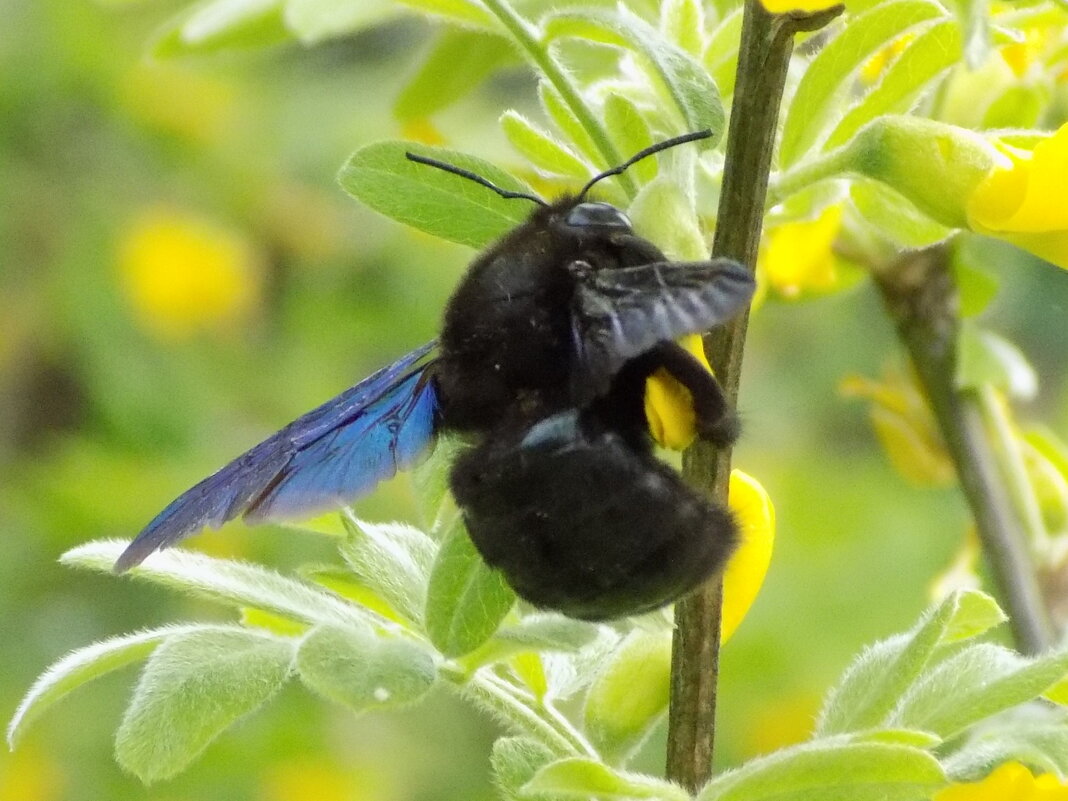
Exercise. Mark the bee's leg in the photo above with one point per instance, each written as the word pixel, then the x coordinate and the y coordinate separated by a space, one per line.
pixel 716 420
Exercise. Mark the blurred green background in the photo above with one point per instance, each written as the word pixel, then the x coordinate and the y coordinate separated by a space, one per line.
pixel 180 276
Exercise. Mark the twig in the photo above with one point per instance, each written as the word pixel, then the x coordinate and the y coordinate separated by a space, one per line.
pixel 921 297
pixel 764 55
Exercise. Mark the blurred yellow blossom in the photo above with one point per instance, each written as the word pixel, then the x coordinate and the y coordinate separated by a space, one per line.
pixel 184 274
pixel 874 66
pixel 31 774
pixel 179 100
pixel 808 6
pixel 669 405
pixel 748 566
pixel 1022 199
pixel 799 256
pixel 1010 782
pixel 905 427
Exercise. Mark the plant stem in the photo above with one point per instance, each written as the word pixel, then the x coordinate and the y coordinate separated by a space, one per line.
pixel 527 37
pixel 763 58
pixel 807 173
pixel 921 298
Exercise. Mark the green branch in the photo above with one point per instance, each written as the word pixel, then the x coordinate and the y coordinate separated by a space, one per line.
pixel 763 59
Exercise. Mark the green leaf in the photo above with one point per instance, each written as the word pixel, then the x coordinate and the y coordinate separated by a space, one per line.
pixel 664 215
pixel 631 693
pixel 721 53
pixel 832 769
pixel 432 200
pixel 515 760
pixel 912 737
pixel 683 23
pixel 235 584
pixel 1018 107
pixel 629 132
pixel 464 12
pixel 193 687
pixel 924 59
pixel 829 76
pixel 976 23
pixel 871 687
pixel 980 681
pixel 458 61
pixel 83 666
pixel 894 216
pixel 312 21
pixel 431 481
pixel 687 84
pixel 1042 746
pixel 580 778
pixel 568 673
pixel 393 560
pixel 222 25
pixel 976 285
pixel 549 631
pixel 361 670
pixel 540 148
pixel 557 110
pixel 986 358
pixel 466 599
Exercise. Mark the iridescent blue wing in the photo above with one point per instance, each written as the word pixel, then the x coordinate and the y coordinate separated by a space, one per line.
pixel 618 314
pixel 320 461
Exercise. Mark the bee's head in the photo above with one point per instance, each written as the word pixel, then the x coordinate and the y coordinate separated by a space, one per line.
pixel 595 216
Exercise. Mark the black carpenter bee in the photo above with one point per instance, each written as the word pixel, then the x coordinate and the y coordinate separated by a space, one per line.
pixel 541 367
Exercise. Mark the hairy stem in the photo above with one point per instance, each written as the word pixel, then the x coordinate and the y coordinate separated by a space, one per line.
pixel 921 298
pixel 529 40
pixel 764 55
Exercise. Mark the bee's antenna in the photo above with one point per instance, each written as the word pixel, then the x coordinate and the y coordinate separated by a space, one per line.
pixel 641 154
pixel 471 176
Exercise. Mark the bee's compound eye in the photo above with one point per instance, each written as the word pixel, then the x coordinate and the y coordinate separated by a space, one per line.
pixel 598 215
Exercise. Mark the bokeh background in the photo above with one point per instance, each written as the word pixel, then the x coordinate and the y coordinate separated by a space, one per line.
pixel 180 276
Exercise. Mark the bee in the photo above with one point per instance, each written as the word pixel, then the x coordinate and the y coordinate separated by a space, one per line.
pixel 541 366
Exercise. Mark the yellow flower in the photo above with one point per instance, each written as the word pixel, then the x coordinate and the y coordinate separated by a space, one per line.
pixel 669 405
pixel 183 274
pixel 1010 782
pixel 808 6
pixel 1022 199
pixel 874 66
pixel 746 569
pixel 905 428
pixel 799 255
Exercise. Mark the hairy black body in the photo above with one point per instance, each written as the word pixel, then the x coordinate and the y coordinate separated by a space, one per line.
pixel 545 350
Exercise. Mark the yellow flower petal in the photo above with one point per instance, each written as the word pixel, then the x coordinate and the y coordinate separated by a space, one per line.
pixel 669 405
pixel 1010 782
pixel 786 6
pixel 746 569
pixel 799 256
pixel 183 274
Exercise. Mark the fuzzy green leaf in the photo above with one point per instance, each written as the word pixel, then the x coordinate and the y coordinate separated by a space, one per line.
pixel 464 12
pixel 432 200
pixel 924 59
pixel 549 631
pixel 683 23
pixel 581 778
pixel 569 673
pixel 827 78
pixel 515 760
pixel 466 599
pixel 312 21
pixel 540 148
pixel 83 666
pixel 194 686
pixel 663 214
pixel 629 132
pixel 431 481
pixel 391 559
pixel 688 85
pixel 721 53
pixel 872 685
pixel 357 668
pixel 1043 746
pixel 980 681
pixel 222 25
pixel 630 695
pixel 557 110
pixel 236 584
pixel 458 61
pixel 832 769
pixel 894 216
pixel 986 358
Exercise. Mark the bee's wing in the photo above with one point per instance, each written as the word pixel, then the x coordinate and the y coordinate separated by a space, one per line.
pixel 621 313
pixel 319 461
